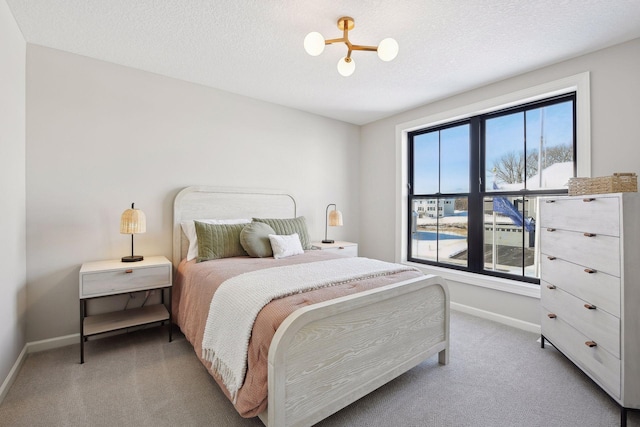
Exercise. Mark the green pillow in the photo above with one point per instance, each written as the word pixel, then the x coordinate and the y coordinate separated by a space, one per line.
pixel 286 227
pixel 217 241
pixel 254 238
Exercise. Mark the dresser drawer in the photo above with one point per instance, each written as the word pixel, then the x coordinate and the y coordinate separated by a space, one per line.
pixel 598 252
pixel 599 288
pixel 597 362
pixel 124 280
pixel 600 215
pixel 597 325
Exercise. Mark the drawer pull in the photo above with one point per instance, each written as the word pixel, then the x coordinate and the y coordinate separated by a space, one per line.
pixel 550 230
pixel 551 258
pixel 590 306
pixel 551 316
pixel 550 201
pixel 341 247
pixel 591 344
pixel 588 200
pixel 589 235
pixel 590 270
pixel 551 286
pixel 128 271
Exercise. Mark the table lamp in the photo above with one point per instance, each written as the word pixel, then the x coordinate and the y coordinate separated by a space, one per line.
pixel 334 219
pixel 133 221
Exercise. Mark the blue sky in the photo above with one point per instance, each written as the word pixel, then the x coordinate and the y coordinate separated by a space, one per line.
pixel 504 135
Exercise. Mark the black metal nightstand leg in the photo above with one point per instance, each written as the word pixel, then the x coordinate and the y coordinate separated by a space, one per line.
pixel 82 315
pixel 170 316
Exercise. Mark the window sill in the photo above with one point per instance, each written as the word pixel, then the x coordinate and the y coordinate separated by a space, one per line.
pixel 495 283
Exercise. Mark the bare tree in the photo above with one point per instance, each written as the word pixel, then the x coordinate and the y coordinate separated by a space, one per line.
pixel 510 168
pixel 558 154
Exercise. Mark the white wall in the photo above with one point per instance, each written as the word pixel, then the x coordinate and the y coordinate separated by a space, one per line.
pixel 12 191
pixel 615 105
pixel 101 136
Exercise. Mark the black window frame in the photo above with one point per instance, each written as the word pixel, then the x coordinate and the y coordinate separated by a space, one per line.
pixel 477 185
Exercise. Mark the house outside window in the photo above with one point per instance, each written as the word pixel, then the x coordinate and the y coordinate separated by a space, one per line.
pixel 474 186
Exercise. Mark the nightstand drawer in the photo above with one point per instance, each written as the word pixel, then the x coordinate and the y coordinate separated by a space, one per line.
pixel 124 280
pixel 345 250
pixel 348 249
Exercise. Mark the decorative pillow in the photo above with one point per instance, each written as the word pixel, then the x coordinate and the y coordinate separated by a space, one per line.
pixel 218 241
pixel 289 226
pixel 189 229
pixel 254 239
pixel 285 246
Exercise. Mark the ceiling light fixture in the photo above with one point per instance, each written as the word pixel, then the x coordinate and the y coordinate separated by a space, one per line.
pixel 314 44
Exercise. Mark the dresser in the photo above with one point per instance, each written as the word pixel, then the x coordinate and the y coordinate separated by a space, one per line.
pixel 590 288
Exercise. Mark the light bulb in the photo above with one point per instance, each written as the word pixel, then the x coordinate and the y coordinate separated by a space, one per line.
pixel 314 43
pixel 388 49
pixel 346 66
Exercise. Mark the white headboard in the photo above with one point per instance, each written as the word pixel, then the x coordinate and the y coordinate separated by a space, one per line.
pixel 204 202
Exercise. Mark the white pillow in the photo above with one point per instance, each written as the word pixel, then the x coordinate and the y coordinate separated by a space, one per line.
pixel 285 246
pixel 189 228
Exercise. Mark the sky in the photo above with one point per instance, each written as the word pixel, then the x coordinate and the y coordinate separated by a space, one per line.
pixel 504 134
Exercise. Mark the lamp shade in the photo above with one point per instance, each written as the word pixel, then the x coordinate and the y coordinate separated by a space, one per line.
pixel 346 68
pixel 133 221
pixel 335 218
pixel 388 49
pixel 314 43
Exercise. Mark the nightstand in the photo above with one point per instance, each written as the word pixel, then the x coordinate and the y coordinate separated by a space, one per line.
pixel 113 277
pixel 345 248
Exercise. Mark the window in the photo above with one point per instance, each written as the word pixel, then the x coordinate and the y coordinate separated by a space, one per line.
pixel 474 186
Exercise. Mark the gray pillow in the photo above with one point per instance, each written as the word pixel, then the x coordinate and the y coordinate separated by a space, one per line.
pixel 254 239
pixel 288 226
pixel 218 241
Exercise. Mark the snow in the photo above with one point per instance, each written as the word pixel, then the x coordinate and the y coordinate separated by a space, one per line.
pixel 555 176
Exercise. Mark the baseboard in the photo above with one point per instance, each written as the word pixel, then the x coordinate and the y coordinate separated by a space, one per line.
pixel 48 344
pixel 34 347
pixel 13 373
pixel 506 320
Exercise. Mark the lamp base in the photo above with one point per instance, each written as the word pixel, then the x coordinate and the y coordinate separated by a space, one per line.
pixel 328 241
pixel 132 258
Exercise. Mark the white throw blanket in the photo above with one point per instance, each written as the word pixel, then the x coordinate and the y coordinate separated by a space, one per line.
pixel 237 302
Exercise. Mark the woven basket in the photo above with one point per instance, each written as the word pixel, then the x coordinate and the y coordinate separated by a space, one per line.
pixel 618 183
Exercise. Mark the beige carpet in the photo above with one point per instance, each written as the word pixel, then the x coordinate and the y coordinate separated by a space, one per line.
pixel 497 376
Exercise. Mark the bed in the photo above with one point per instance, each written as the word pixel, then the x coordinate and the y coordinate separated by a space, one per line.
pixel 328 353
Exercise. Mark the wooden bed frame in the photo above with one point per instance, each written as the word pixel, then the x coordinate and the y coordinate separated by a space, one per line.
pixel 325 356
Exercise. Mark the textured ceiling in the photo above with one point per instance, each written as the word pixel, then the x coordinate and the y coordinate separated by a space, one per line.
pixel 254 47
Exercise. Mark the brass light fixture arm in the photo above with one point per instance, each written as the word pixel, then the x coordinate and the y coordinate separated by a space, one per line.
pixel 345 24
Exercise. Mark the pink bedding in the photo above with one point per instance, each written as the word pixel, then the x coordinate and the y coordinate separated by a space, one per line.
pixel 196 283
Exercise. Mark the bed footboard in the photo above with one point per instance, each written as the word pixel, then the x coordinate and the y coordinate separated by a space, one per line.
pixel 328 355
